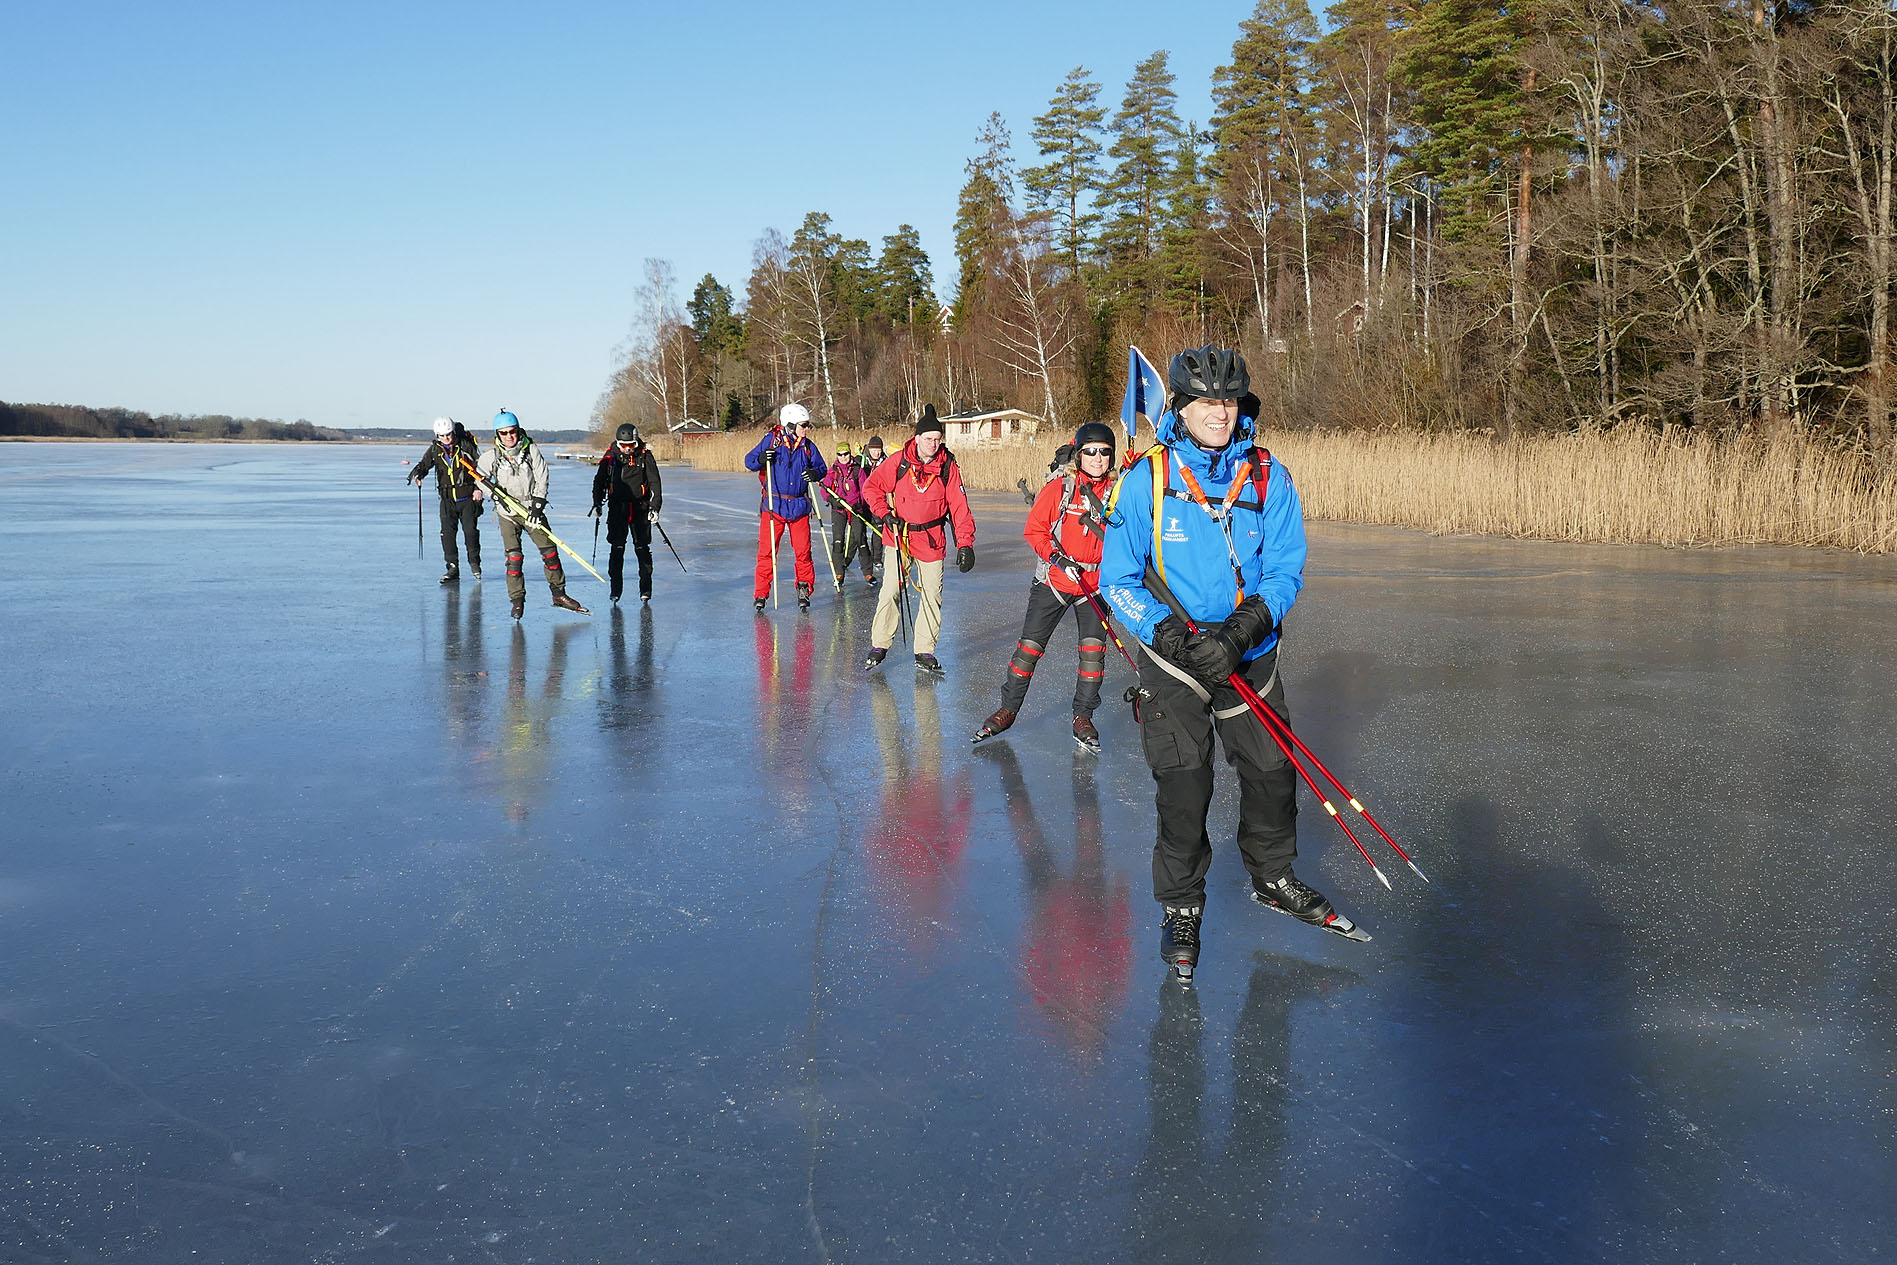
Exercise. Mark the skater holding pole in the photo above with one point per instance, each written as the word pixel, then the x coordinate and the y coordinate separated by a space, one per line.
pixel 786 462
pixel 1066 528
pixel 1217 523
pixel 917 497
pixel 518 473
pixel 626 486
pixel 460 494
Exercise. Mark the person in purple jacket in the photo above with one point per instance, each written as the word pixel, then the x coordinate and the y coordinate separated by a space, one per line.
pixel 849 516
pixel 787 462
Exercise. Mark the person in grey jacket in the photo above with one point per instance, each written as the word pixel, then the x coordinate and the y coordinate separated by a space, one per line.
pixel 515 468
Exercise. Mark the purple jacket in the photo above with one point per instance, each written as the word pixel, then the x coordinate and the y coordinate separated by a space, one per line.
pixel 787 494
pixel 846 480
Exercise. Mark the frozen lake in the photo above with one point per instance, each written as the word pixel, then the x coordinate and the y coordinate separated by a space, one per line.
pixel 342 918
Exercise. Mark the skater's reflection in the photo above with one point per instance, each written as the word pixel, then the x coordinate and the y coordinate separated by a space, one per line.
pixel 915 845
pixel 527 723
pixel 627 700
pixel 1188 1204
pixel 464 693
pixel 784 707
pixel 1076 947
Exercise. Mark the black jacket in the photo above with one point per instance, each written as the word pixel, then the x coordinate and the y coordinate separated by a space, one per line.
pixel 452 480
pixel 628 483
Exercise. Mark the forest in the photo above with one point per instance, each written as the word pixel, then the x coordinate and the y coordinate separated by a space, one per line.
pixel 76 421
pixel 1528 218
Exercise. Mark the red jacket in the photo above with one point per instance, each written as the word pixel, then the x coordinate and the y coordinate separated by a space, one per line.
pixel 1077 528
pixel 925 496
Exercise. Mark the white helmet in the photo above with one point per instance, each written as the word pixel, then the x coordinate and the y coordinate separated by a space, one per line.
pixel 793 415
pixel 444 427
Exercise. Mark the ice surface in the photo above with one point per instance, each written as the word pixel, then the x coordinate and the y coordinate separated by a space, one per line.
pixel 343 918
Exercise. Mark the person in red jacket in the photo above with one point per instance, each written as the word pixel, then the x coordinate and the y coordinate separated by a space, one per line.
pixel 914 496
pixel 1065 528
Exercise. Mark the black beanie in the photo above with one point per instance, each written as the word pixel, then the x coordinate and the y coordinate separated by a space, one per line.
pixel 875 441
pixel 929 421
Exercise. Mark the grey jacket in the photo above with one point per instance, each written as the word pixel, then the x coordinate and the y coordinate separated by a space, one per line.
pixel 522 475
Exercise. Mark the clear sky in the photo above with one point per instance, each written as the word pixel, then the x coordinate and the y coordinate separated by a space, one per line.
pixel 370 214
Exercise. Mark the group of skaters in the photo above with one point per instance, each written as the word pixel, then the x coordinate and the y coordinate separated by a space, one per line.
pixel 1195 547
pixel 626 494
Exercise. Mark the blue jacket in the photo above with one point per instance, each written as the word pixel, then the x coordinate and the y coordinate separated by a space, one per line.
pixel 788 495
pixel 1269 543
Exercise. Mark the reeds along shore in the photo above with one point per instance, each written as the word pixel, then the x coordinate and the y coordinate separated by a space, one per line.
pixel 1626 485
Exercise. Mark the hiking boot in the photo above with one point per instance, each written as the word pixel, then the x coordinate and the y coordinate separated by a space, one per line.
pixel 928 663
pixel 1086 735
pixel 520 605
pixel 566 603
pixel 874 659
pixel 451 576
pixel 1179 941
pixel 994 724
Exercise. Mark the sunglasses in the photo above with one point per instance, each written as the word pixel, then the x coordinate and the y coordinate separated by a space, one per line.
pixel 1096 452
pixel 508 430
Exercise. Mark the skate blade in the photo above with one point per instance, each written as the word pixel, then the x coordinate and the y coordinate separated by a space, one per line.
pixel 1091 748
pixel 1182 971
pixel 1336 924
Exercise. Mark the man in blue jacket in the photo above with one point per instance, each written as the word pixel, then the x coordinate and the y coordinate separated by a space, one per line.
pixel 787 463
pixel 1214 522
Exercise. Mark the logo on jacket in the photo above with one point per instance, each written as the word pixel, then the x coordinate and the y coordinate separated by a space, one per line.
pixel 1174 532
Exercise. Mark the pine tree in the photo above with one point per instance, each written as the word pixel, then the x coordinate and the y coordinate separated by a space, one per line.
pixel 1264 143
pixel 1459 59
pixel 905 290
pixel 1146 134
pixel 982 212
pixel 1068 136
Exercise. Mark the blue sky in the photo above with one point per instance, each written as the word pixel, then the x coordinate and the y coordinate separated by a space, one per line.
pixel 369 214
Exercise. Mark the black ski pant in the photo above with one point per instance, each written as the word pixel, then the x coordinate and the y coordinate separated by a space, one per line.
pixel 1046 606
pixel 1176 733
pixel 847 539
pixel 616 525
pixel 464 516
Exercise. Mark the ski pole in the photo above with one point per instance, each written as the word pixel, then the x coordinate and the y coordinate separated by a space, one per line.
pixel 1106 621
pixel 668 544
pixel 1157 587
pixel 520 513
pixel 596 517
pixel 770 505
pixel 418 518
pixel 823 533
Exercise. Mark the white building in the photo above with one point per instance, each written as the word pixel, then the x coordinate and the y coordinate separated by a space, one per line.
pixel 988 428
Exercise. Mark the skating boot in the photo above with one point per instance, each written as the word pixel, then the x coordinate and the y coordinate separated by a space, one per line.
pixel 803 597
pixel 930 664
pixel 520 605
pixel 869 580
pixel 1289 895
pixel 452 575
pixel 1085 735
pixel 474 569
pixel 874 659
pixel 994 724
pixel 839 583
pixel 645 598
pixel 1179 941
pixel 758 605
pixel 565 602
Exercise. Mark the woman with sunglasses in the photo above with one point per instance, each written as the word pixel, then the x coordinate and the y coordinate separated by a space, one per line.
pixel 516 467
pixel 1065 528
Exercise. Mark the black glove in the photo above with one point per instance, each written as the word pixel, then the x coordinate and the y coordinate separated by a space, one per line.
pixel 413 476
pixel 965 559
pixel 594 512
pixel 537 514
pixel 1248 626
pixel 811 476
pixel 1169 638
pixel 1209 655
pixel 770 453
pixel 1059 561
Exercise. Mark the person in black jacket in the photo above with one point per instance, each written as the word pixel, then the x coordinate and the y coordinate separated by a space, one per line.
pixel 627 484
pixel 460 495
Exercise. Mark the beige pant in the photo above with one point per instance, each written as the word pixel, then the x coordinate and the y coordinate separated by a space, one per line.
pixel 925 584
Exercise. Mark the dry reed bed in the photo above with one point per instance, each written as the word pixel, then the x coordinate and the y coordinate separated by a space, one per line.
pixel 1628 486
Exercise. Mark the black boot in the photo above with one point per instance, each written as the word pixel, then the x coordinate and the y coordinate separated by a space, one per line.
pixel 803 597
pixel 452 575
pixel 1289 895
pixel 930 664
pixel 874 659
pixel 1179 941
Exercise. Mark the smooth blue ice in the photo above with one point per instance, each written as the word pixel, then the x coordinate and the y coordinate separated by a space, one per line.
pixel 343 919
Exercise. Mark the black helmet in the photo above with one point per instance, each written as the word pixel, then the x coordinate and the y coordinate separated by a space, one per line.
pixel 1208 373
pixel 1096 433
pixel 627 433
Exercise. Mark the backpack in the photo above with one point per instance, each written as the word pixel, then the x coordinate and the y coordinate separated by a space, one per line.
pixel 1160 458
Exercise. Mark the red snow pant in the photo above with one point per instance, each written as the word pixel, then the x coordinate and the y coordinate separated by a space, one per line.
pixel 770 530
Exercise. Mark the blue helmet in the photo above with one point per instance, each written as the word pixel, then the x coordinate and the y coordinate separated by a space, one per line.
pixel 504 419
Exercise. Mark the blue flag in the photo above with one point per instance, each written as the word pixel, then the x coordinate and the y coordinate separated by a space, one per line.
pixel 1145 397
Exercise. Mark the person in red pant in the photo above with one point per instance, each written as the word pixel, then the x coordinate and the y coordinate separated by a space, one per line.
pixel 787 463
